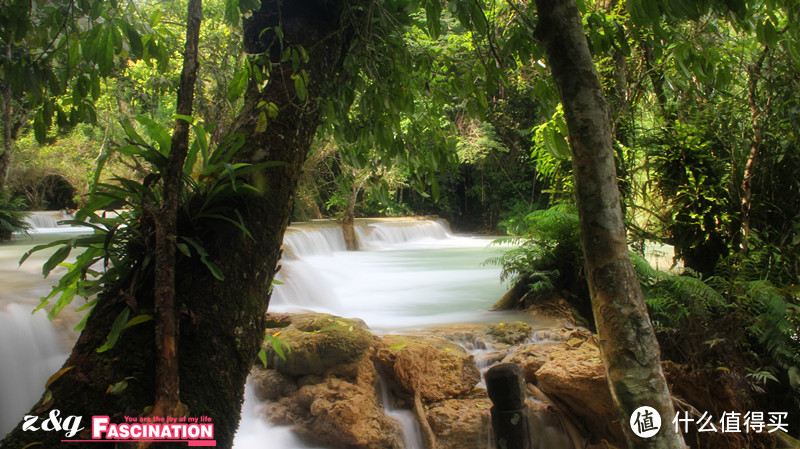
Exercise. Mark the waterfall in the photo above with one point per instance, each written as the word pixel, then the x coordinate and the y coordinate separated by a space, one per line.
pixel 42 221
pixel 383 234
pixel 255 433
pixel 30 352
pixel 303 241
pixel 412 435
pixel 417 275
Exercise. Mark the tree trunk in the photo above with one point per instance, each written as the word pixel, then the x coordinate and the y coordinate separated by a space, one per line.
pixel 349 218
pixel 628 345
pixel 221 322
pixel 167 395
pixel 8 134
pixel 754 75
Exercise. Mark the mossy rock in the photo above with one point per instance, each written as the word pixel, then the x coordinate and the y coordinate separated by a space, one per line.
pixel 509 333
pixel 434 368
pixel 316 343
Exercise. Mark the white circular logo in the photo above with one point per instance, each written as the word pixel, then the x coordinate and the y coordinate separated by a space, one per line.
pixel 645 422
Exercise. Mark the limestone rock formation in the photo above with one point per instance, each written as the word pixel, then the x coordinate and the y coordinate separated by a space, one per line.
pixel 317 342
pixel 434 368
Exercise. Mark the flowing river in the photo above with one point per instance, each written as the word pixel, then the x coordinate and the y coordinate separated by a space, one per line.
pixel 409 275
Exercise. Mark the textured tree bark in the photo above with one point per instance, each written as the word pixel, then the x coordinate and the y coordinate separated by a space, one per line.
pixel 8 140
pixel 167 397
pixel 628 345
pixel 9 136
pixel 754 75
pixel 221 322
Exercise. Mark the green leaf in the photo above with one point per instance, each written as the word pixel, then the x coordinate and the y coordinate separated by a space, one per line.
pixel 212 267
pixel 262 355
pixel 116 328
pixel 433 11
pixel 300 84
pixel 56 259
pixel 183 248
pixel 276 345
pixel 157 132
pixel 43 246
pixel 138 319
pixel 135 42
pixel 232 12
pixel 39 127
pixel 770 34
pixel 239 82
pixel 261 123
pixel 117 388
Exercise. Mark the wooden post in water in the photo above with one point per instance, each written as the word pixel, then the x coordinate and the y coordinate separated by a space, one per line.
pixel 510 420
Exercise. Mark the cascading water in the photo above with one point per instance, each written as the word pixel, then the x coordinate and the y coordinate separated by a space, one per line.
pixel 411 275
pixel 47 220
pixel 412 278
pixel 412 435
pixel 30 352
pixel 30 347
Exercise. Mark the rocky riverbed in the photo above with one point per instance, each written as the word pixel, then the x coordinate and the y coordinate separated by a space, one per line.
pixel 328 387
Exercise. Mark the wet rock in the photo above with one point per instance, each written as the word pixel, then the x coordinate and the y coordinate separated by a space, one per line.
pixel 530 358
pixel 270 385
pixel 490 358
pixel 575 377
pixel 549 344
pixel 339 412
pixel 317 343
pixel 461 423
pixel 433 367
pixel 512 333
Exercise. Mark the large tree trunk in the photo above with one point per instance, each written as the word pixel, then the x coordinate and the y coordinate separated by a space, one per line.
pixel 628 345
pixel 221 322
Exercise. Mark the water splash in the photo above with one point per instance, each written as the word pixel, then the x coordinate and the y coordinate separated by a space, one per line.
pixel 255 433
pixel 30 352
pixel 412 435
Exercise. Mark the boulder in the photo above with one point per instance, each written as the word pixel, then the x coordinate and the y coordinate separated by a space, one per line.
pixel 575 377
pixel 270 385
pixel 338 412
pixel 316 343
pixel 549 343
pixel 461 423
pixel 512 333
pixel 434 368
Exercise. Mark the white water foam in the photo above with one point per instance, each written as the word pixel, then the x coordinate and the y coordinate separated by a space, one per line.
pixel 30 352
pixel 387 234
pixel 413 278
pixel 412 435
pixel 311 241
pixel 47 221
pixel 255 433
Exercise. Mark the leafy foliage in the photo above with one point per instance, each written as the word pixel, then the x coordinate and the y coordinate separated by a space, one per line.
pixel 120 246
pixel 549 257
pixel 12 216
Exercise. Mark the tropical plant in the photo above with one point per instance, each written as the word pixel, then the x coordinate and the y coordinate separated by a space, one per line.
pixel 12 216
pixel 118 251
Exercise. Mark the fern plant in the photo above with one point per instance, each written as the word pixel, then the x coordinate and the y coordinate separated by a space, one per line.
pixel 12 216
pixel 548 257
pixel 119 249
pixel 758 316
